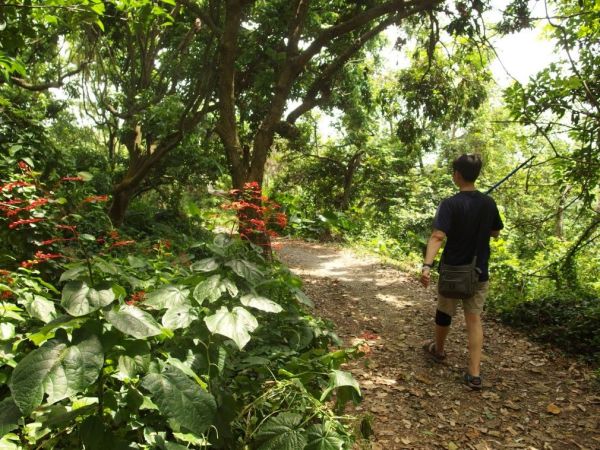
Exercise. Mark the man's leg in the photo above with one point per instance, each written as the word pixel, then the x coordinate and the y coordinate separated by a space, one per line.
pixel 442 328
pixel 475 341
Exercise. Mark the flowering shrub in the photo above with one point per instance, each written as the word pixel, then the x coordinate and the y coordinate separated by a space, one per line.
pixel 257 215
pixel 108 343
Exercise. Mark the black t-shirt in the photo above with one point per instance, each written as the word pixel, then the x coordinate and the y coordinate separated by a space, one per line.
pixel 466 218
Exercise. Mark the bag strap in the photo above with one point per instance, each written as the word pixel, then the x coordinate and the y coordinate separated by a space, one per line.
pixel 479 236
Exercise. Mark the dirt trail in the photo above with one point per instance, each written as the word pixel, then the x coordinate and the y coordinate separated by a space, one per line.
pixel 534 397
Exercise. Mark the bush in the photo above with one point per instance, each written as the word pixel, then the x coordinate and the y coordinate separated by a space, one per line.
pixel 112 343
pixel 570 323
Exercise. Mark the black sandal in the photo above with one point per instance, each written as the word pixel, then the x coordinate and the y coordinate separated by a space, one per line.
pixel 429 348
pixel 474 383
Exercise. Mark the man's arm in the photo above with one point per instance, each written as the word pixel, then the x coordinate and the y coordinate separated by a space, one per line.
pixel 434 244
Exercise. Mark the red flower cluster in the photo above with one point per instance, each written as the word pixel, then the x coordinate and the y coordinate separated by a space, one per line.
pixel 13 184
pixel 20 222
pixel 122 243
pixel 40 257
pixel 96 199
pixel 71 228
pixel 56 239
pixel 34 204
pixel 136 297
pixel 24 166
pixel 4 275
pixel 255 212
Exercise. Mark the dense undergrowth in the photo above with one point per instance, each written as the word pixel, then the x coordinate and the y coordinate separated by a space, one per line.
pixel 144 341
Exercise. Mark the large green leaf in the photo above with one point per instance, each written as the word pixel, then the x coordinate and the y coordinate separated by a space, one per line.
pixel 231 287
pixel 134 322
pixel 205 265
pixel 41 308
pixel 73 273
pixel 58 369
pixel 261 303
pixel 179 317
pixel 94 434
pixel 7 331
pixel 282 432
pixel 347 387
pixel 323 438
pixel 180 399
pixel 245 269
pixel 167 297
pixel 210 289
pixel 9 416
pixel 80 299
pixel 235 324
pixel 302 297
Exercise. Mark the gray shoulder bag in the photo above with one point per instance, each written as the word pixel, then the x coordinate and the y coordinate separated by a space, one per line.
pixel 458 281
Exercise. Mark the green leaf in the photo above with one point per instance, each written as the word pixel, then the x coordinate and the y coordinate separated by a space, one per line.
pixel 245 269
pixel 210 289
pixel 9 416
pixel 41 308
pixel 302 298
pixel 347 386
pixel 167 297
pixel 5 444
pixel 85 175
pixel 236 325
pixel 106 267
pixel 72 274
pixel 98 8
pixel 133 321
pixel 136 262
pixel 7 331
pixel 261 303
pixel 179 317
pixel 57 369
pixel 79 299
pixel 94 435
pixel 323 438
pixel 205 265
pixel 282 432
pixel 232 289
pixel 182 400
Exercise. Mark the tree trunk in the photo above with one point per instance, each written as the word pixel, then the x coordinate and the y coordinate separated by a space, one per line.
pixel 119 206
pixel 351 169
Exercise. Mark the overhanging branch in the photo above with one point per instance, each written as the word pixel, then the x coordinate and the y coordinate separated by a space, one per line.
pixel 50 84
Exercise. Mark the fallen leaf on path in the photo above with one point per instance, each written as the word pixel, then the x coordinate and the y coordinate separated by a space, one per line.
pixel 553 409
pixel 452 446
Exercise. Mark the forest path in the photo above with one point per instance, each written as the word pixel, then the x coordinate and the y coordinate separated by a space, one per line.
pixel 534 397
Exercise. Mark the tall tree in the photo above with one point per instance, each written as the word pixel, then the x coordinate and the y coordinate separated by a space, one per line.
pixel 279 60
pixel 150 83
pixel 562 102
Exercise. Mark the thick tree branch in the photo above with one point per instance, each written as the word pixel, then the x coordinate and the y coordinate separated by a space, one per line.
pixel 324 79
pixel 403 8
pixel 51 84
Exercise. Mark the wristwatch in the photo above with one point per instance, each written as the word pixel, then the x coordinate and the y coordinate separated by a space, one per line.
pixel 425 265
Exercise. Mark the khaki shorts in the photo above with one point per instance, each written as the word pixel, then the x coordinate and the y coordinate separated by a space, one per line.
pixel 472 305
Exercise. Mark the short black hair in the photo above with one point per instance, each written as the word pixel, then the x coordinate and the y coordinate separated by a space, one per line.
pixel 468 165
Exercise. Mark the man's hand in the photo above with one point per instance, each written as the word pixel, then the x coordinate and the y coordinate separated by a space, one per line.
pixel 425 276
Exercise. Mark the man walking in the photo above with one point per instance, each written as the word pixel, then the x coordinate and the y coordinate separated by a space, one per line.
pixel 465 221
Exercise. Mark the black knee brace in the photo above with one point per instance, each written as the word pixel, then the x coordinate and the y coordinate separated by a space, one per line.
pixel 442 319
